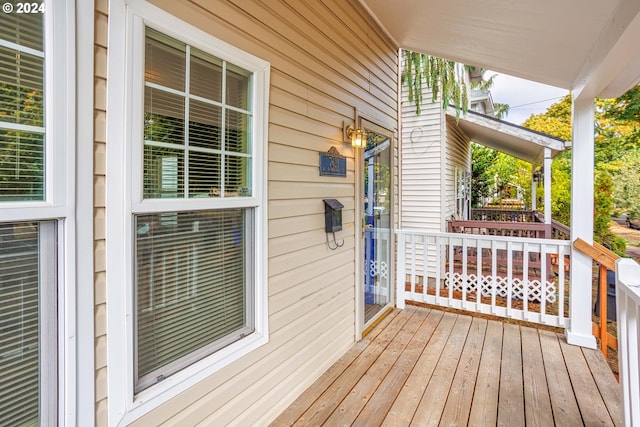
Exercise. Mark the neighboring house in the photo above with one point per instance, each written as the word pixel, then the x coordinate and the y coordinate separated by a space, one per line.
pixel 164 249
pixel 435 167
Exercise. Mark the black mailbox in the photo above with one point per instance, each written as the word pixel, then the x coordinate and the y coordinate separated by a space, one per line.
pixel 332 215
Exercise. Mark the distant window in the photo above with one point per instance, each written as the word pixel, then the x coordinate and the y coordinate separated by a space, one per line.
pixel 463 193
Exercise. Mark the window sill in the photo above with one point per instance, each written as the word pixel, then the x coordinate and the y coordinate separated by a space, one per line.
pixel 156 395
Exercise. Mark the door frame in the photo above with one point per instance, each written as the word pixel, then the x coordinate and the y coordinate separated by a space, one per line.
pixel 383 127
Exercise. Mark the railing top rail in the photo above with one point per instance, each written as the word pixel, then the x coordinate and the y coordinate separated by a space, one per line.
pixel 484 237
pixel 512 225
pixel 598 253
pixel 521 211
pixel 628 278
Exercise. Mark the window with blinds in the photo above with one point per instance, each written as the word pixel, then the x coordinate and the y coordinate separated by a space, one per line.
pixel 28 258
pixel 193 269
pixel 196 123
pixel 27 310
pixel 21 107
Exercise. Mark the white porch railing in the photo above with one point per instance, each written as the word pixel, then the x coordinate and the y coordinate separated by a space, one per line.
pixel 503 276
pixel 628 311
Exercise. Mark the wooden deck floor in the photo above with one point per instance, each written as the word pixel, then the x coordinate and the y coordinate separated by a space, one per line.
pixel 426 367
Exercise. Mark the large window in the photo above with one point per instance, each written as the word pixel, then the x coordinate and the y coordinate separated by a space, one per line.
pixel 28 258
pixel 194 233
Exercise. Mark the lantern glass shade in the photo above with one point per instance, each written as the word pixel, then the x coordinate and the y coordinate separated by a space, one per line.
pixel 358 138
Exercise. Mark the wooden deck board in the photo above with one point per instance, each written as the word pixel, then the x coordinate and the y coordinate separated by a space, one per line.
pixel 322 408
pixel 311 394
pixel 536 397
pixel 609 390
pixel 484 409
pixel 425 367
pixel 406 403
pixel 378 406
pixel 351 406
pixel 435 396
pixel 458 406
pixel 563 401
pixel 593 409
pixel 511 400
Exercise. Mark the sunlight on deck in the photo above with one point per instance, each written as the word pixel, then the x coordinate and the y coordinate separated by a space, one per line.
pixel 424 366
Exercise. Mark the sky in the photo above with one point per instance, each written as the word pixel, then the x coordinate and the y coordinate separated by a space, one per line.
pixel 523 96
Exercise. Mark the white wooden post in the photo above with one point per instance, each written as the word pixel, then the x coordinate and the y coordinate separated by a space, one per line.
pixel 582 180
pixel 628 311
pixel 534 186
pixel 401 265
pixel 547 185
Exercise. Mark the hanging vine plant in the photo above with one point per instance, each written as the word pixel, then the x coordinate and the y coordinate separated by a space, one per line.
pixel 443 77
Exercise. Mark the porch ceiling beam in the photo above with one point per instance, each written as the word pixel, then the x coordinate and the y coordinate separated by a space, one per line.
pixel 613 66
pixel 508 138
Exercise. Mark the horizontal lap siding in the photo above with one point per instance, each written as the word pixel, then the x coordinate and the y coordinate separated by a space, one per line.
pixel 99 170
pixel 327 58
pixel 458 154
pixel 421 164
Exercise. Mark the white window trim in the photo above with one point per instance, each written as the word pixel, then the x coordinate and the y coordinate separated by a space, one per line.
pixel 123 405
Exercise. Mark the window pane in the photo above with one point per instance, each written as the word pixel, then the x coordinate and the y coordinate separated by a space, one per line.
pixel 238 87
pixel 163 172
pixel 165 60
pixel 204 174
pixel 22 108
pixel 24 29
pixel 21 166
pixel 21 84
pixel 206 76
pixel 163 116
pixel 19 324
pixel 237 176
pixel 191 288
pixel 237 132
pixel 205 122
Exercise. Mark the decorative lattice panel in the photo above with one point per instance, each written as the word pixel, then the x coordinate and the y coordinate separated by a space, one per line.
pixel 484 285
pixel 377 268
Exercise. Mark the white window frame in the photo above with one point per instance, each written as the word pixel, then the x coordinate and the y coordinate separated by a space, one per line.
pixel 73 346
pixel 124 198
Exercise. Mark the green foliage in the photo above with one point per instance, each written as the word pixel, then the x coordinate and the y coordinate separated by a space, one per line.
pixel 617 161
pixel 500 110
pixel 627 184
pixel 627 109
pixel 481 178
pixel 561 188
pixel 603 207
pixel 510 174
pixel 21 151
pixel 440 75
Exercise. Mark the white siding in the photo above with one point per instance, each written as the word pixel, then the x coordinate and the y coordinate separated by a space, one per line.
pixel 457 154
pixel 421 159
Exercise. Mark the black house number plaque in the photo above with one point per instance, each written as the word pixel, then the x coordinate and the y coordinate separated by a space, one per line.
pixel 332 163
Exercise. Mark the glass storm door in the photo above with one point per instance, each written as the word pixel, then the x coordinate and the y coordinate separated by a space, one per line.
pixel 377 222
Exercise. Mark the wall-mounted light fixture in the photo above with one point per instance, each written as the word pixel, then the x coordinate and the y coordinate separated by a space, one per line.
pixel 538 175
pixel 358 137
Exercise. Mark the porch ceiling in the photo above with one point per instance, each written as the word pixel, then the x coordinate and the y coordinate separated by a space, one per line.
pixel 572 44
pixel 506 137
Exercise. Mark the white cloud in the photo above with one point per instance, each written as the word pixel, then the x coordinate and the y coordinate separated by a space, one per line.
pixel 523 96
